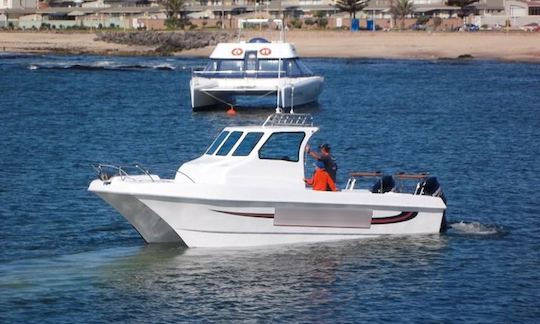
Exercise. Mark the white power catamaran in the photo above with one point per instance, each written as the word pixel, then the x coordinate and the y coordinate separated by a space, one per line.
pixel 247 189
pixel 255 68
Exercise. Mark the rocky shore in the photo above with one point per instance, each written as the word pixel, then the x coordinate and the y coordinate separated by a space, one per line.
pixel 165 42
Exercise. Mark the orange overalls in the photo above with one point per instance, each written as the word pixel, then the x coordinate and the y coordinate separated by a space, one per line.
pixel 321 180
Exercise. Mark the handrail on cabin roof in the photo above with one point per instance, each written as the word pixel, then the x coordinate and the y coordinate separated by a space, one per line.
pixel 284 119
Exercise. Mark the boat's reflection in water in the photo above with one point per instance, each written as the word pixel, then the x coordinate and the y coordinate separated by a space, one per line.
pixel 268 277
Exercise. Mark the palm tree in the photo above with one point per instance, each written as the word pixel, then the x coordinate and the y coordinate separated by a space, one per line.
pixel 173 10
pixel 351 6
pixel 400 9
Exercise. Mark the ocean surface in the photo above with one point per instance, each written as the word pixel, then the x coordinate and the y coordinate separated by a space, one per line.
pixel 66 256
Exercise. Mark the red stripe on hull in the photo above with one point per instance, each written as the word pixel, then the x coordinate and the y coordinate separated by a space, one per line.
pixel 258 215
pixel 403 217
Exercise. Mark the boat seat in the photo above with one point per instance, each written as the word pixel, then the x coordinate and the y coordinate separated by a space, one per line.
pixel 384 184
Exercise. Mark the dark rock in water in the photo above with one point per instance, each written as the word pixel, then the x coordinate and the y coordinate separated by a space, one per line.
pixel 166 42
pixel 465 57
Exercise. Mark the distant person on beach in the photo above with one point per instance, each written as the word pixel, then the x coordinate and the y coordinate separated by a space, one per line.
pixel 321 180
pixel 325 157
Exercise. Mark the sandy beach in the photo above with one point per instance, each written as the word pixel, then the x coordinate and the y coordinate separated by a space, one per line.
pixel 406 45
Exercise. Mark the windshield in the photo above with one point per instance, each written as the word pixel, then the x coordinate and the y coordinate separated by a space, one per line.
pixel 282 146
pixel 217 142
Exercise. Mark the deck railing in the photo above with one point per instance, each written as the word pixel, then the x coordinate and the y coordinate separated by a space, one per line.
pixel 284 119
pixel 107 171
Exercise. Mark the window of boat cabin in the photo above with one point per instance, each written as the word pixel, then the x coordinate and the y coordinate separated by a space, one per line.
pixel 251 60
pixel 305 70
pixel 231 65
pixel 247 145
pixel 212 66
pixel 282 146
pixel 229 143
pixel 270 67
pixel 296 68
pixel 217 142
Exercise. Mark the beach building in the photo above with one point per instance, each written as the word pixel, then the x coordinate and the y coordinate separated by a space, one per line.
pixel 150 14
pixel 534 8
pixel 18 4
pixel 502 12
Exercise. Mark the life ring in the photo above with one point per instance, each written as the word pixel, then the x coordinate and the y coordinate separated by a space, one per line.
pixel 237 51
pixel 265 51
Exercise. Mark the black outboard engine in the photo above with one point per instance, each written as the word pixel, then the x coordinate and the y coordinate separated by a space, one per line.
pixel 384 184
pixel 430 187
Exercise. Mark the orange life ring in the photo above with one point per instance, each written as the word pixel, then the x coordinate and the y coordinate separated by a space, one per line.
pixel 265 51
pixel 237 51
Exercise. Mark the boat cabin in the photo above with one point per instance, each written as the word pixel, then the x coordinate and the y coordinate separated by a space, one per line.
pixel 257 58
pixel 269 155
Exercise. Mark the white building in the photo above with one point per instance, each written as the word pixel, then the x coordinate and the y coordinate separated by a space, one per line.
pixel 18 4
pixel 502 12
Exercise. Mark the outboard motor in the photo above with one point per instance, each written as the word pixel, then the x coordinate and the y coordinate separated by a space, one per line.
pixel 430 187
pixel 384 184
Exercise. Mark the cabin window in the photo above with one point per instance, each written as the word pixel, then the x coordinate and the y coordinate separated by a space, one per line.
pixel 212 66
pixel 232 65
pixel 282 146
pixel 217 142
pixel 270 66
pixel 229 143
pixel 297 68
pixel 247 145
pixel 251 61
pixel 303 68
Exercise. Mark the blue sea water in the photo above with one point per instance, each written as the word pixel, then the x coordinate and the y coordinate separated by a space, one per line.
pixel 66 256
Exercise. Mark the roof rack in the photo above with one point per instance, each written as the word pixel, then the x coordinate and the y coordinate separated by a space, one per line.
pixel 281 119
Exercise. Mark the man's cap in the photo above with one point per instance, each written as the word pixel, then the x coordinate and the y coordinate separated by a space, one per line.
pixel 325 146
pixel 319 164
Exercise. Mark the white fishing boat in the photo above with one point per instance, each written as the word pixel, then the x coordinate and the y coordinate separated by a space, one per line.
pixel 247 189
pixel 257 68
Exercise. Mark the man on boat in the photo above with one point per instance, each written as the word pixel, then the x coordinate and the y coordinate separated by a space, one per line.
pixel 321 180
pixel 325 157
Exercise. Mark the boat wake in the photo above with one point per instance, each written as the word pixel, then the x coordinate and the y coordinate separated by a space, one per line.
pixel 101 66
pixel 475 228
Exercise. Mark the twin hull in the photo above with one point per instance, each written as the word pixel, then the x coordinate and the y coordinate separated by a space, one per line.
pixel 200 222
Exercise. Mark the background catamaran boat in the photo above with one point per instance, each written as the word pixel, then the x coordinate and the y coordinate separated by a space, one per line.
pixel 247 189
pixel 255 68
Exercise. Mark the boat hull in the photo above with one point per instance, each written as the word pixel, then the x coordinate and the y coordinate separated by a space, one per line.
pixel 236 223
pixel 210 92
pixel 151 226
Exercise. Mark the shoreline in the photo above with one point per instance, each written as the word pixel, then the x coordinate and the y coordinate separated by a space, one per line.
pixel 498 46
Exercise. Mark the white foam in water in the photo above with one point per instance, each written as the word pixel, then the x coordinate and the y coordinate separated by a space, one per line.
pixel 104 64
pixel 164 66
pixel 475 228
pixel 32 67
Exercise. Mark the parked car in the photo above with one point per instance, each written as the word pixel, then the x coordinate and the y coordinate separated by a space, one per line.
pixel 418 27
pixel 530 27
pixel 469 27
